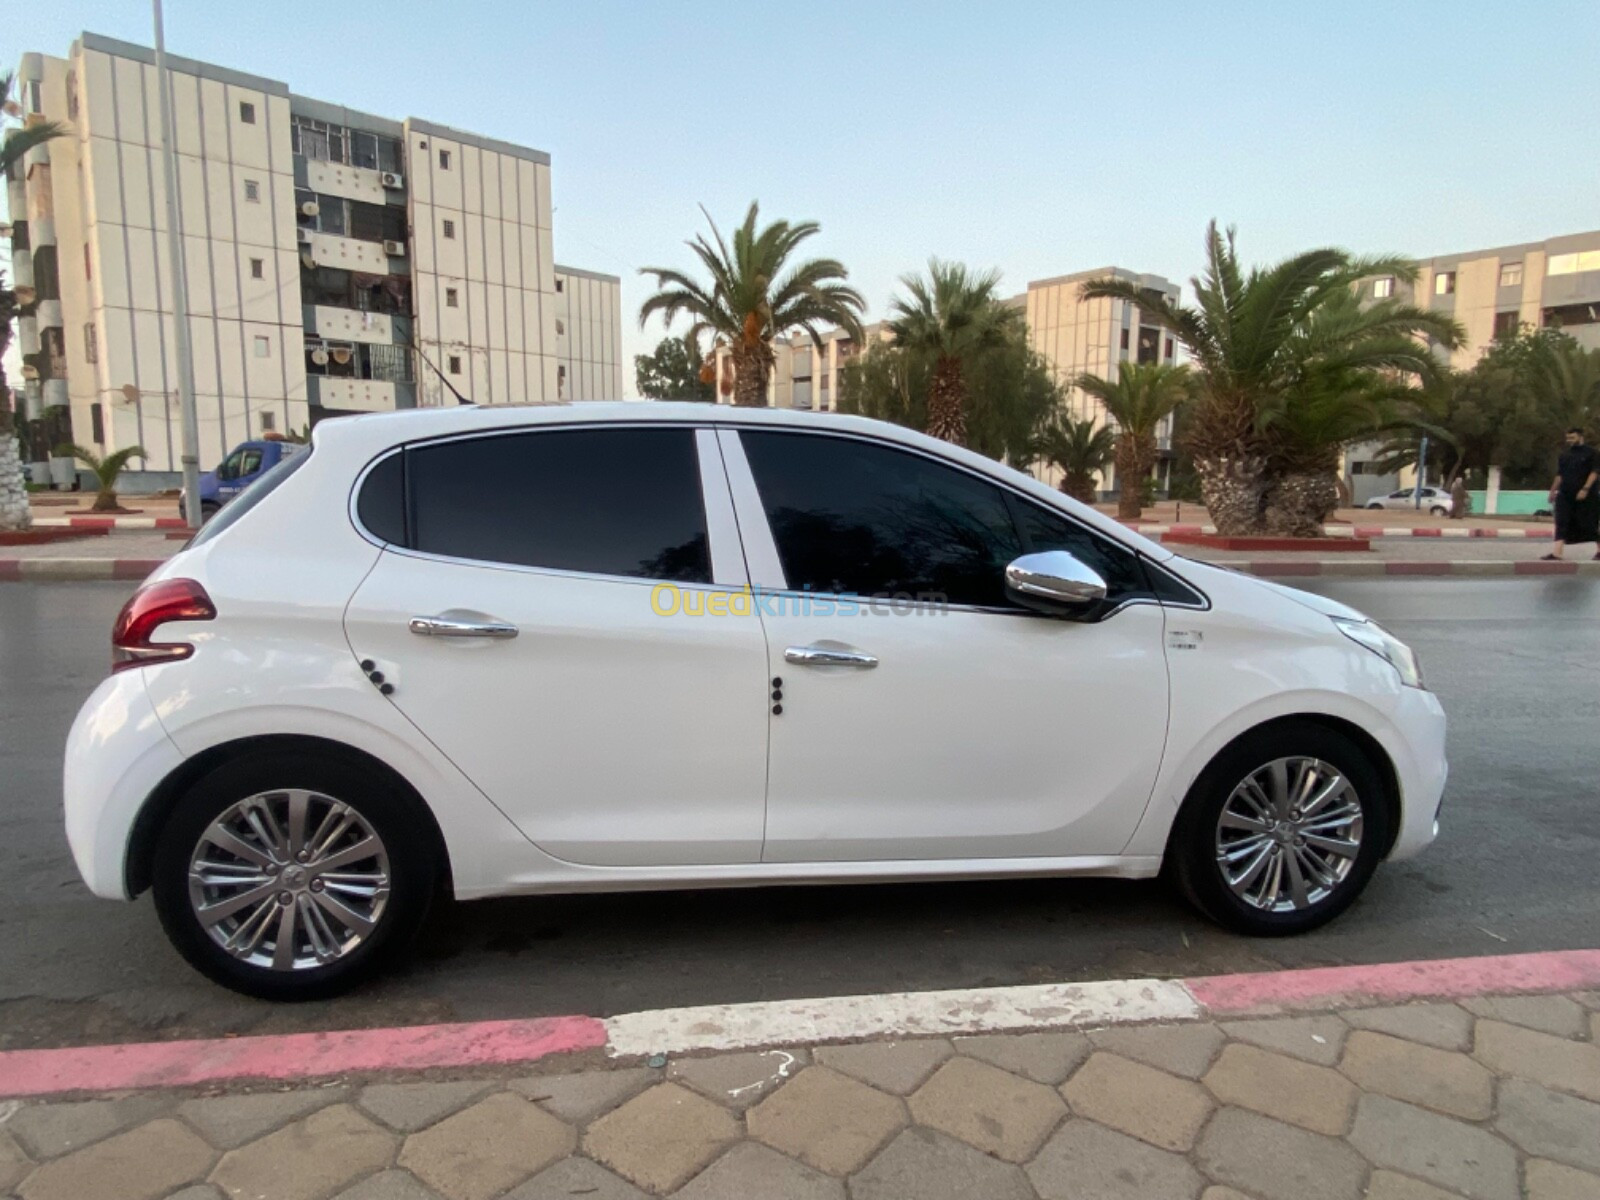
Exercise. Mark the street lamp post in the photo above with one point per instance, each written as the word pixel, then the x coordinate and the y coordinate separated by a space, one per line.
pixel 180 286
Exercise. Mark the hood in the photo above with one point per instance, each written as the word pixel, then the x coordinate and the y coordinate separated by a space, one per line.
pixel 1316 603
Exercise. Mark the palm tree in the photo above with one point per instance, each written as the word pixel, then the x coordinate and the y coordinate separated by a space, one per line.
pixel 952 316
pixel 106 471
pixel 755 293
pixel 1141 397
pixel 14 145
pixel 1082 449
pixel 1254 335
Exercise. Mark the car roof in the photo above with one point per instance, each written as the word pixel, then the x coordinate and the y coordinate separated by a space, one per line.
pixel 362 437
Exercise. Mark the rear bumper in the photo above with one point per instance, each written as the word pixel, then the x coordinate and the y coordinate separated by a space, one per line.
pixel 117 754
pixel 1422 769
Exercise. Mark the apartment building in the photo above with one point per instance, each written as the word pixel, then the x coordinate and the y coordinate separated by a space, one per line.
pixel 804 375
pixel 588 308
pixel 1553 284
pixel 336 261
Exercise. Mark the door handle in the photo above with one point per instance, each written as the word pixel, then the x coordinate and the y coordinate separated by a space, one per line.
pixel 461 627
pixel 827 656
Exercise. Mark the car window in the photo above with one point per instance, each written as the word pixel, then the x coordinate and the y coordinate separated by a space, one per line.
pixel 856 518
pixel 249 463
pixel 229 467
pixel 1120 567
pixel 603 501
pixel 254 493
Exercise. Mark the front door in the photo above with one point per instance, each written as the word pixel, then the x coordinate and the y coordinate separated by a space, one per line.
pixel 923 716
pixel 518 614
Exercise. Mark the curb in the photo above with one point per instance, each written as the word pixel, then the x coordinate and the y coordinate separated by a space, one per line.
pixel 110 523
pixel 1535 532
pixel 59 569
pixel 305 1056
pixel 23 570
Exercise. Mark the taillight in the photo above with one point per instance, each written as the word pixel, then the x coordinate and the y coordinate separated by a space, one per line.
pixel 146 611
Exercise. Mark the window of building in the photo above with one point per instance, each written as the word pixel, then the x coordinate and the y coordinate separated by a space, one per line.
pixel 561 326
pixel 855 518
pixel 379 361
pixel 97 424
pixel 1506 324
pixel 561 382
pixel 72 95
pixel 1572 264
pixel 449 228
pixel 1568 315
pixel 263 347
pixel 1149 340
pixel 88 266
pixel 1511 275
pixel 1126 338
pixel 1383 287
pixel 455 364
pixel 1169 348
pixel 549 499
pixel 268 422
pixel 452 298
pixel 252 191
pixel 1444 283
pixel 247 112
pixel 561 285
pixel 91 343
pixel 258 268
pixel 444 160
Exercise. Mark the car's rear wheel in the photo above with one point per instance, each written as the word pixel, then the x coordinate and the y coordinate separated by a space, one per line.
pixel 292 877
pixel 1283 831
pixel 1439 510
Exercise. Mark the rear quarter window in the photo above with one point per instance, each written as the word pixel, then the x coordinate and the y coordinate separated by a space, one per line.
pixel 236 509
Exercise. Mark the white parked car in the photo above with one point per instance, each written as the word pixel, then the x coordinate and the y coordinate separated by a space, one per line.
pixel 603 647
pixel 1434 500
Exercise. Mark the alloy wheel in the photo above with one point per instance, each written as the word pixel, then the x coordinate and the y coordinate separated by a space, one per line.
pixel 289 879
pixel 1289 834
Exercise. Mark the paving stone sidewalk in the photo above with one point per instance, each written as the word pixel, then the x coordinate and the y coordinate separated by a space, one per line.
pixel 1490 1098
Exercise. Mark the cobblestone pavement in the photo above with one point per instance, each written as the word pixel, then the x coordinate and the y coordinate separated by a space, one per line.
pixel 1490 1098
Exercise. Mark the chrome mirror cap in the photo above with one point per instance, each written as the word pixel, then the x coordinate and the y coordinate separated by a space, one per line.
pixel 1055 582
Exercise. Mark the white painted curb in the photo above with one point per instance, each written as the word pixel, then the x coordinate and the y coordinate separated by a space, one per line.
pixel 898 1014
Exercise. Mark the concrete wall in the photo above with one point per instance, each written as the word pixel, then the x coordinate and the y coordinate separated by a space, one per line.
pixel 588 332
pixel 500 330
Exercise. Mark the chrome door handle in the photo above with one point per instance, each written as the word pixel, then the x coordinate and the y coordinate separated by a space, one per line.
pixel 461 627
pixel 825 656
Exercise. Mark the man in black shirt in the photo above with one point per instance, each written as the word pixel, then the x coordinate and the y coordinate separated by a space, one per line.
pixel 1574 495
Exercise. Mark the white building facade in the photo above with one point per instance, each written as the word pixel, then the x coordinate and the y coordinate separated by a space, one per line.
pixel 588 307
pixel 336 261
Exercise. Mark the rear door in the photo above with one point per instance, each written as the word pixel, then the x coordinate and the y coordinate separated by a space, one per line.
pixel 532 611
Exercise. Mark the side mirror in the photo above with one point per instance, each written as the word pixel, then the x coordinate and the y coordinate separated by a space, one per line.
pixel 1055 582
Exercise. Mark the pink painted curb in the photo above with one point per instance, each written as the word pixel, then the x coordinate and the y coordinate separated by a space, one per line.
pixel 1445 978
pixel 293 1056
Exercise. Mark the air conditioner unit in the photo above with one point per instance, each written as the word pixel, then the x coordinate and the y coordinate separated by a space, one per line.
pixel 394 248
pixel 303 236
pixel 310 208
pixel 391 179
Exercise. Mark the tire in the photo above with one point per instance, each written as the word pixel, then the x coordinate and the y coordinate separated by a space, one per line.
pixel 1197 838
pixel 401 879
pixel 1374 507
pixel 1437 511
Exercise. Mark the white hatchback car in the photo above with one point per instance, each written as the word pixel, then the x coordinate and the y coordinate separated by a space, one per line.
pixel 605 647
pixel 1434 500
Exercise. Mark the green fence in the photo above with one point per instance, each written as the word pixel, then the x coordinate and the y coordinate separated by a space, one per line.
pixel 1511 504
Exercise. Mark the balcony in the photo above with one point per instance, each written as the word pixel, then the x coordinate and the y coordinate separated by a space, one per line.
pixel 346 253
pixel 351 395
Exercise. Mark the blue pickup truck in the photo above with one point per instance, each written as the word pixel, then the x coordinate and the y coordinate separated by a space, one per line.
pixel 245 464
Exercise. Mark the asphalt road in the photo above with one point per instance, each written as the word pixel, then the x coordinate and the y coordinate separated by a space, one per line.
pixel 1517 663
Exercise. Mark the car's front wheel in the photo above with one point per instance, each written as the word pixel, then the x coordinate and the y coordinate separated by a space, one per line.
pixel 1282 832
pixel 292 877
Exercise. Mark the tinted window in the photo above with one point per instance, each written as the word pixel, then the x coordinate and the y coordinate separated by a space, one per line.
pixel 1118 566
pixel 853 517
pixel 381 505
pixel 604 501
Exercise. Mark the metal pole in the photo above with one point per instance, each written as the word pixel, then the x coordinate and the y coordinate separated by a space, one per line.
pixel 1422 471
pixel 180 287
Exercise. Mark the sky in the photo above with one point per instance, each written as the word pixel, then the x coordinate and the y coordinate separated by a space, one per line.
pixel 1038 138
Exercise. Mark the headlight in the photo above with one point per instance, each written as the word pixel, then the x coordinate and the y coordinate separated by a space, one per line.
pixel 1385 645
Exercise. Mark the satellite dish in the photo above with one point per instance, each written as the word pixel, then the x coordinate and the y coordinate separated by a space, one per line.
pixel 319 356
pixel 130 393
